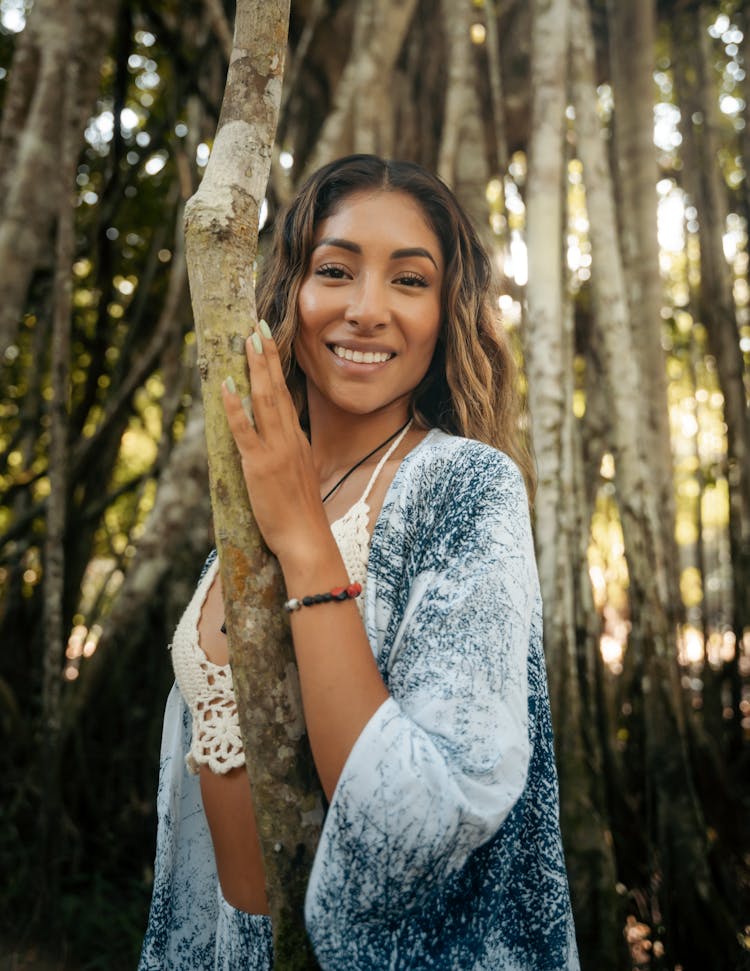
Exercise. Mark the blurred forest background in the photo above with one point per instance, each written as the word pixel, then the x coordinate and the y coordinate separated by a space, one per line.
pixel 601 148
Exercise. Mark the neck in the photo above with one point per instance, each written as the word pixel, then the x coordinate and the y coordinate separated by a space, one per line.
pixel 339 438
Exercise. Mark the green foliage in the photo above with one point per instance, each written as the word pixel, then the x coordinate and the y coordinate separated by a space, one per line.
pixel 149 133
pixel 119 440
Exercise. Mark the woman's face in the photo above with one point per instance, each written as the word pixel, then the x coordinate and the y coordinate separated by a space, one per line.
pixel 370 304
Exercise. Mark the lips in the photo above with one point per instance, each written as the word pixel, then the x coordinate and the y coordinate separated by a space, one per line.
pixel 361 357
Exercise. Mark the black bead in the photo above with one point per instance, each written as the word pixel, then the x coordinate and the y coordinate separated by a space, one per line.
pixel 342 596
pixel 308 601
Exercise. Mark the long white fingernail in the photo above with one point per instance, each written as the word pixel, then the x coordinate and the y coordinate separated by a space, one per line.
pixel 230 385
pixel 265 329
pixel 257 343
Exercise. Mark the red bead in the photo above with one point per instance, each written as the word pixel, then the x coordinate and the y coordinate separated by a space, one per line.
pixel 337 591
pixel 354 589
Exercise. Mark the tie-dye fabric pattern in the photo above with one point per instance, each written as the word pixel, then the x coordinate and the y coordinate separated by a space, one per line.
pixel 242 940
pixel 441 847
pixel 184 906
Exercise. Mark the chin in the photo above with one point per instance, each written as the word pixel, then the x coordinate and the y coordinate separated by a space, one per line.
pixel 360 408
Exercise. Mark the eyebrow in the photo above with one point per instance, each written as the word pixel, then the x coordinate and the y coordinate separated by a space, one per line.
pixel 398 254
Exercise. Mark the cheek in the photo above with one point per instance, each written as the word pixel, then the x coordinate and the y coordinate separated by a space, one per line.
pixel 305 307
pixel 431 332
pixel 313 303
pixel 425 353
pixel 306 297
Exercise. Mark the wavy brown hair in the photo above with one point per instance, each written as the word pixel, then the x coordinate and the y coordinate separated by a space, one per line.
pixel 471 385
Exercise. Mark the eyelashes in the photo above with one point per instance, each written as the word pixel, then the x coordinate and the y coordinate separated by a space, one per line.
pixel 335 271
pixel 412 280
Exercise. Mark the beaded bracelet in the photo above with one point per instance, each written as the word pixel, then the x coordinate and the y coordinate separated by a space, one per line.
pixel 338 593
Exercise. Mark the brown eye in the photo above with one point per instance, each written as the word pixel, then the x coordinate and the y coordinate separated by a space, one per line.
pixel 332 270
pixel 411 280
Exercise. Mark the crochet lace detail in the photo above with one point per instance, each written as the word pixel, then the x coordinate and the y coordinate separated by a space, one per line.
pixel 351 530
pixel 208 692
pixel 208 688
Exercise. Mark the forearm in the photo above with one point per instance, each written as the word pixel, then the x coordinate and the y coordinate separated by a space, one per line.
pixel 341 685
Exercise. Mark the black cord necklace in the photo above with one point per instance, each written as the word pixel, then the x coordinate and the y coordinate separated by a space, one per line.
pixel 356 465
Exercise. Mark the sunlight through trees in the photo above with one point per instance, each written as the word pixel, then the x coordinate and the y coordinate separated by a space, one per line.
pixel 602 149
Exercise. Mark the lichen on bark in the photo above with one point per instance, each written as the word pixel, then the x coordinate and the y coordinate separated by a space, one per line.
pixel 221 243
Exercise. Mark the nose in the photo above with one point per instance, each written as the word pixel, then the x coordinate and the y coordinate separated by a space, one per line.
pixel 368 306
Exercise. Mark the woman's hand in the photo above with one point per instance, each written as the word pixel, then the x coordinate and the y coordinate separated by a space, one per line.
pixel 338 699
pixel 276 457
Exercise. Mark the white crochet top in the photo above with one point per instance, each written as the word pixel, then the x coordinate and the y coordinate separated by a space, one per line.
pixel 207 687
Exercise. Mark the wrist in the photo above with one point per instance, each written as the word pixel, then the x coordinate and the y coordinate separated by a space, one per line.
pixel 312 565
pixel 334 595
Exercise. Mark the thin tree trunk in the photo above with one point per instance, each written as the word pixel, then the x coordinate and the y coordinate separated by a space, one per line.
pixel 361 114
pixel 596 421
pixel 680 880
pixel 460 101
pixel 373 112
pixel 633 55
pixel 335 137
pixel 462 161
pixel 19 90
pixel 220 26
pixel 717 310
pixel 548 346
pixel 743 17
pixel 612 320
pixel 496 88
pixel 600 926
pixel 543 333
pixel 583 812
pixel 24 229
pixel 182 497
pixel 280 179
pixel 54 549
pixel 419 93
pixel 221 241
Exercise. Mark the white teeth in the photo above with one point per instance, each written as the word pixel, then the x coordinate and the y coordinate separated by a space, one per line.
pixel 361 357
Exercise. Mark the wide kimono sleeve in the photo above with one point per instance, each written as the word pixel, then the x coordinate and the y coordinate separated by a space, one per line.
pixel 443 761
pixel 181 928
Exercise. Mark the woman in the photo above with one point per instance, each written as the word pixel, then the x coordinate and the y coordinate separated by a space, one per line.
pixel 384 455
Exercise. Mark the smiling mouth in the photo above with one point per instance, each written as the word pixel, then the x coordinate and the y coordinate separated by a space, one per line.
pixel 361 357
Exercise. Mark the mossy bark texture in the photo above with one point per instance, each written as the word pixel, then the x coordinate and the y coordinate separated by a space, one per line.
pixel 221 222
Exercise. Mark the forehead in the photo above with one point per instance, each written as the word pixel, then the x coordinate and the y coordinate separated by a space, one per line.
pixel 390 213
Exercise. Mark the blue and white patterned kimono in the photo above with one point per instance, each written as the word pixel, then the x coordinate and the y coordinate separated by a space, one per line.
pixel 441 847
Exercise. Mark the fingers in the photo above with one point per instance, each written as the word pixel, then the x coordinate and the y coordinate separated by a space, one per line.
pixel 271 353
pixel 239 416
pixel 271 402
pixel 269 410
pixel 274 452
